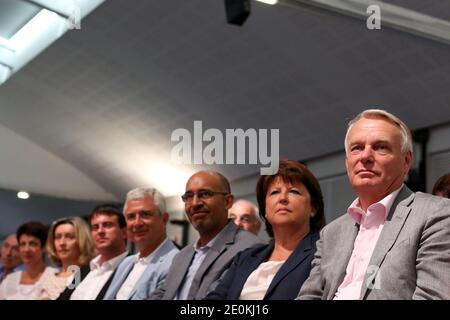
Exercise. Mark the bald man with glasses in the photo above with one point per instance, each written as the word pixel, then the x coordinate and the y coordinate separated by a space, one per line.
pixel 196 269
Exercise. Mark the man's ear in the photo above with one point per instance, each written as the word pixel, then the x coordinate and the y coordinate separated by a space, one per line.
pixel 124 233
pixel 229 198
pixel 408 161
pixel 165 217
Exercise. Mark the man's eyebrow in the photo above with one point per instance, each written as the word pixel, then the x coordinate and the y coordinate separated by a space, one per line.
pixel 381 141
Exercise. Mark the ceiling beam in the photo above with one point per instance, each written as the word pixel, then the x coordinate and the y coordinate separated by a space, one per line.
pixel 6 66
pixel 7 48
pixel 392 16
pixel 42 5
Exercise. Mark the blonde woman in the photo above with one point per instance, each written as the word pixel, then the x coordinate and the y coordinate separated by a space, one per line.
pixel 70 247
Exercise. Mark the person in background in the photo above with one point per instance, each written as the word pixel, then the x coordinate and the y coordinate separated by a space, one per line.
pixel 291 205
pixel 245 215
pixel 442 186
pixel 70 247
pixel 10 257
pixel 21 285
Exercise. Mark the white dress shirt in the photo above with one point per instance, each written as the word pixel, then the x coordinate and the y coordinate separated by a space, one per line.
pixel 92 284
pixel 140 264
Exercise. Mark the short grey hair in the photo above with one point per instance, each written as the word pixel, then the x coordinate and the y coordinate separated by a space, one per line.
pixel 378 113
pixel 142 192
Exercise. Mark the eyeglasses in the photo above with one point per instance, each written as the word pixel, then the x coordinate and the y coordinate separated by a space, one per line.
pixel 201 195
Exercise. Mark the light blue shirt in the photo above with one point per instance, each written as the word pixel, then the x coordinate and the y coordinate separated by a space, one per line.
pixel 199 256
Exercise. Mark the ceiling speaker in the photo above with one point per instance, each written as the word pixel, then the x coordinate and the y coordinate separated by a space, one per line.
pixel 237 11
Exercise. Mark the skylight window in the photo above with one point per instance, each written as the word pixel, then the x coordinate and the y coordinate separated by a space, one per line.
pixel 28 28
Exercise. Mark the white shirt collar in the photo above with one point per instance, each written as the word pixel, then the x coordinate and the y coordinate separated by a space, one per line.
pixel 148 259
pixel 109 264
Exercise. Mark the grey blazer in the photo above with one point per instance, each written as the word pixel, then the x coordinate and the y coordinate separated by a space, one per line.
pixel 231 240
pixel 411 259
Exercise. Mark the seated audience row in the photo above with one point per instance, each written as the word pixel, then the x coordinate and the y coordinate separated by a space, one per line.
pixel 391 244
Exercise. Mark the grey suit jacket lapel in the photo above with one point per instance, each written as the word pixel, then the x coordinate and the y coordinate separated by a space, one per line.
pixel 348 236
pixel 393 225
pixel 183 262
pixel 225 238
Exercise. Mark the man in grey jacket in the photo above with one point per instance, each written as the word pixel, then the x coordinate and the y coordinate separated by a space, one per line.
pixel 195 269
pixel 392 243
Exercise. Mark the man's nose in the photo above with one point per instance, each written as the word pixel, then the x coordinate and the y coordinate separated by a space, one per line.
pixel 138 219
pixel 197 203
pixel 8 251
pixel 367 154
pixel 196 199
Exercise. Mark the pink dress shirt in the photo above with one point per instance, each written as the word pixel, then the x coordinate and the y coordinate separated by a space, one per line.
pixel 370 225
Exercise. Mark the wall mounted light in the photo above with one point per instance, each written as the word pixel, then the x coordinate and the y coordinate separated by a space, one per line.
pixel 23 195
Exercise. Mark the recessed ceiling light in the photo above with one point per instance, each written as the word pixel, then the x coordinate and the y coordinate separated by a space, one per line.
pixel 272 2
pixel 23 195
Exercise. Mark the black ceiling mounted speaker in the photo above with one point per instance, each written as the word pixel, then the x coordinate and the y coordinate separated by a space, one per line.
pixel 237 11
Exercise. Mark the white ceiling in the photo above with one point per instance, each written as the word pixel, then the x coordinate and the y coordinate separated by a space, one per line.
pixel 26 165
pixel 102 101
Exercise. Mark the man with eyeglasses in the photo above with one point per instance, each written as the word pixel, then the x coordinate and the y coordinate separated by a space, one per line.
pixel 140 274
pixel 196 269
pixel 245 215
